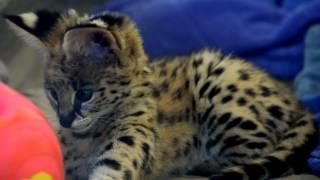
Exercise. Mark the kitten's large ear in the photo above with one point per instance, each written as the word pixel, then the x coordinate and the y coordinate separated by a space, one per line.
pixel 95 43
pixel 34 27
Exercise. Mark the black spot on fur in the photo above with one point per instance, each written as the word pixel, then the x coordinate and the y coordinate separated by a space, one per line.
pixel 187 84
pixel 140 95
pixel 275 111
pixel 127 175
pixel 287 102
pixel 146 84
pixel 63 140
pixel 250 92
pixel 140 131
pixel 175 141
pixel 163 72
pixel 110 163
pixel 301 123
pixel 156 93
pixel 113 91
pixel 197 79
pixel 254 171
pixel 236 155
pixel 123 129
pixel 265 91
pixel 256 145
pixel 146 150
pixel 204 88
pixel 244 76
pixel 127 140
pixel 209 70
pixel 254 110
pixel 194 104
pixel 134 114
pixel 160 117
pixel 261 134
pixel 271 124
pixel 281 148
pixel 114 100
pixel 232 88
pixel 174 72
pixel 124 83
pixel 226 99
pixel 206 114
pixel 163 64
pixel 248 125
pixel 218 71
pixel 224 118
pixel 233 123
pixel 101 89
pixel 241 101
pixel 178 94
pixel 231 142
pixel 108 147
pixel 196 63
pixel 102 94
pixel 81 136
pixel 164 87
pixel 135 164
pixel 214 92
pixel 150 129
pixel 276 167
pixel 211 121
pixel 290 135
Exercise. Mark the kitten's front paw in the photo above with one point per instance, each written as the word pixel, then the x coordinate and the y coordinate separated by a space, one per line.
pixel 104 173
pixel 103 178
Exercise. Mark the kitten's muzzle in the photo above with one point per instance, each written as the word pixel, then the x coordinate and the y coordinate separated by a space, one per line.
pixel 66 119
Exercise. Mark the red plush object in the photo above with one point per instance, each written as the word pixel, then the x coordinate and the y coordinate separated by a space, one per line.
pixel 29 148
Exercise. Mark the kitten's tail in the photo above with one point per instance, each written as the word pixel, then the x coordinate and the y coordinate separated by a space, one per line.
pixel 288 158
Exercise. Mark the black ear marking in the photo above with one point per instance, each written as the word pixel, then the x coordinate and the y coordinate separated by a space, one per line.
pixel 45 22
pixel 40 25
pixel 110 18
pixel 82 26
pixel 16 19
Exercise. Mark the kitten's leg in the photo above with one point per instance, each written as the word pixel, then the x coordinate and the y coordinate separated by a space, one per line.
pixel 130 149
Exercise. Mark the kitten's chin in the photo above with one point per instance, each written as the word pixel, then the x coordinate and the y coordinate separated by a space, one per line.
pixel 82 125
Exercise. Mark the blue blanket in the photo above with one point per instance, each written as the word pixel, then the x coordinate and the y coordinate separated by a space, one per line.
pixel 279 36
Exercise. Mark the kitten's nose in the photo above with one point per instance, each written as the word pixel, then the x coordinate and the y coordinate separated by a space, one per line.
pixel 66 119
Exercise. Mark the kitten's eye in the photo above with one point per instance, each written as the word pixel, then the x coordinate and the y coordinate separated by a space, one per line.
pixel 53 94
pixel 84 95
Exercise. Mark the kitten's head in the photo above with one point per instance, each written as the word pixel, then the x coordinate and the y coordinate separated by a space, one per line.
pixel 89 61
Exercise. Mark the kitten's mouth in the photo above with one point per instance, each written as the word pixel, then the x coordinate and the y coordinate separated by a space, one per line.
pixel 82 125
